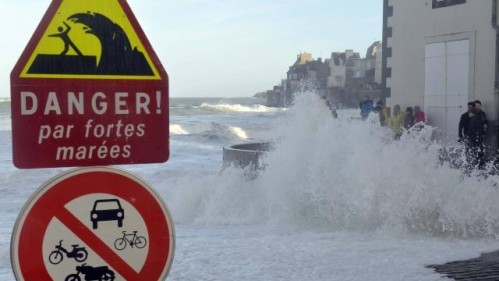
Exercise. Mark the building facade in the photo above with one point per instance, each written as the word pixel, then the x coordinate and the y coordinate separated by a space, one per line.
pixel 338 65
pixel 441 54
pixel 349 64
pixel 353 76
pixel 374 56
pixel 308 75
pixel 344 78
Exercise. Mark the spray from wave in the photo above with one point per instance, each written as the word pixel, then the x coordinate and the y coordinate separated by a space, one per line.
pixel 345 174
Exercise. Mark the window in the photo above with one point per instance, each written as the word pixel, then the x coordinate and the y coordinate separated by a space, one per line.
pixel 446 3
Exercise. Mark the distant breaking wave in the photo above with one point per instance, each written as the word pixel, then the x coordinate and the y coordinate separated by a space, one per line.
pixel 239 108
pixel 210 131
pixel 240 133
pixel 176 129
pixel 217 109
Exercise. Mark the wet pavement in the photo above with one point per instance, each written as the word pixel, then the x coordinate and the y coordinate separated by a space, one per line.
pixel 483 268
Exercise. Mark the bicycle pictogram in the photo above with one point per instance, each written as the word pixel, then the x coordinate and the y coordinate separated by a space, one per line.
pixel 137 241
pixel 80 254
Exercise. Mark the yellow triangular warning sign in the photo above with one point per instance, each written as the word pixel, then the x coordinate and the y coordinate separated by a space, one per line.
pixel 91 39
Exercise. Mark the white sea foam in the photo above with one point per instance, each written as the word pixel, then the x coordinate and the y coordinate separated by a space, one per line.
pixel 347 174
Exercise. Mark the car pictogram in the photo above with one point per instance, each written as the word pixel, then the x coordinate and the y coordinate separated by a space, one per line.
pixel 107 210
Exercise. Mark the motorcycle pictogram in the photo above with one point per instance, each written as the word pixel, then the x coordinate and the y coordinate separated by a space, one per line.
pixel 137 241
pixel 80 254
pixel 101 273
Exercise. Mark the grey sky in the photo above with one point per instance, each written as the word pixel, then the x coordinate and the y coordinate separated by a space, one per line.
pixel 221 48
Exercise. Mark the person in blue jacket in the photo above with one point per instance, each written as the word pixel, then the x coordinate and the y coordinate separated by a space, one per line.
pixel 366 106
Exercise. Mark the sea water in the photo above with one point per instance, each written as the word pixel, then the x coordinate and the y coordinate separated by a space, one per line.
pixel 338 200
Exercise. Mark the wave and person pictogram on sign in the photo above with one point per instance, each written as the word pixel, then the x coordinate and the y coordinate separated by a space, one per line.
pixel 89 65
pixel 118 56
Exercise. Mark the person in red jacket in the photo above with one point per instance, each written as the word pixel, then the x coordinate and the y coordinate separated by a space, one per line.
pixel 419 117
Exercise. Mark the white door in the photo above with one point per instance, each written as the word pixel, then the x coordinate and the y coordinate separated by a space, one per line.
pixel 447 75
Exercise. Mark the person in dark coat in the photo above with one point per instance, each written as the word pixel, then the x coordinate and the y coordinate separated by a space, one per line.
pixel 331 107
pixel 377 110
pixel 474 141
pixel 464 122
pixel 479 111
pixel 409 118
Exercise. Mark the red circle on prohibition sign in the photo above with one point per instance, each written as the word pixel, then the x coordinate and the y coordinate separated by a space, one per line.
pixel 49 203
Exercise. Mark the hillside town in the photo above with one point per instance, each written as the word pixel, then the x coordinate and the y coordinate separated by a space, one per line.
pixel 344 78
pixel 426 57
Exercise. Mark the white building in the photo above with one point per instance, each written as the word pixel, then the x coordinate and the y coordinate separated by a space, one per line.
pixel 338 66
pixel 442 54
pixel 349 64
pixel 378 53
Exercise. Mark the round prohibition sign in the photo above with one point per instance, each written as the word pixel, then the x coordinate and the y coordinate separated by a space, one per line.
pixel 51 202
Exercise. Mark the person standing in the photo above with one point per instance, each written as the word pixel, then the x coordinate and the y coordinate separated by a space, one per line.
pixel 409 118
pixel 64 35
pixel 383 114
pixel 483 117
pixel 397 122
pixel 464 122
pixel 366 106
pixel 331 107
pixel 474 141
pixel 419 118
pixel 379 114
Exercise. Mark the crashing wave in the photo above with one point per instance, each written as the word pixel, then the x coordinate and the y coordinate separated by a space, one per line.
pixel 346 174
